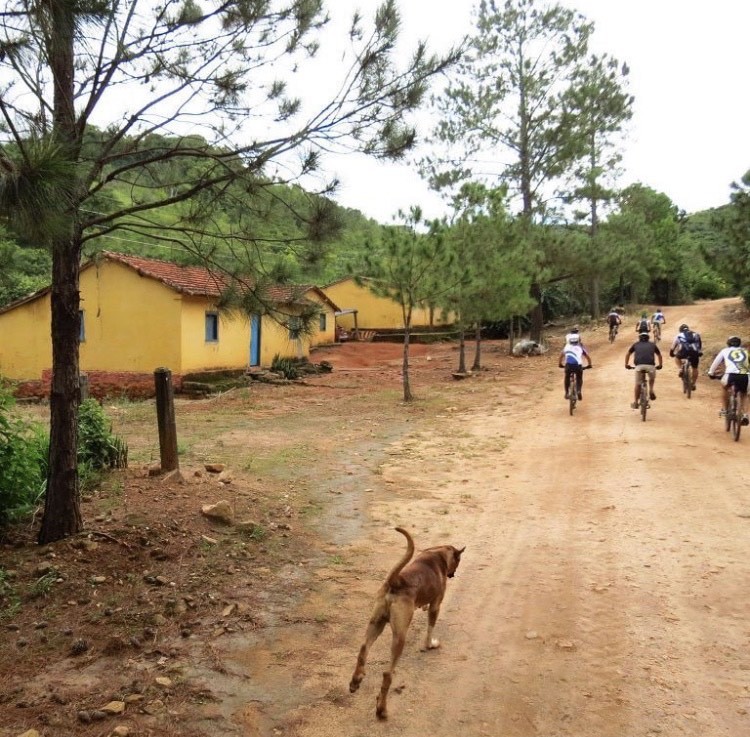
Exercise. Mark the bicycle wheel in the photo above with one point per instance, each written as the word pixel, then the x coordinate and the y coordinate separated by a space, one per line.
pixel 736 418
pixel 573 392
pixel 687 386
pixel 612 334
pixel 729 414
pixel 644 400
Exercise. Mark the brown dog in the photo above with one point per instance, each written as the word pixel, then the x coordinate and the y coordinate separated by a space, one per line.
pixel 420 584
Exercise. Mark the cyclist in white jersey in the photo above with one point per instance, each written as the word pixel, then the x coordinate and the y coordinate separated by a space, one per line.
pixel 575 332
pixel 658 319
pixel 571 359
pixel 736 370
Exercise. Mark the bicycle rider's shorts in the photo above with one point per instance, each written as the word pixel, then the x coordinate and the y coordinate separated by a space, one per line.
pixel 647 368
pixel 738 380
pixel 692 358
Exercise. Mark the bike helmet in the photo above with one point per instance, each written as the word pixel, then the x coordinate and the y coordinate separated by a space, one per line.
pixel 644 314
pixel 734 342
pixel 574 329
pixel 574 339
pixel 644 336
pixel 683 328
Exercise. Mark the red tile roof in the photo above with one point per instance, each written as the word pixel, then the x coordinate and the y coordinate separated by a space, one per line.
pixel 195 280
pixel 200 281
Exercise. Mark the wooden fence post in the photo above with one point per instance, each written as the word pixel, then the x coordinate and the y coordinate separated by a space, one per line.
pixel 166 420
pixel 83 385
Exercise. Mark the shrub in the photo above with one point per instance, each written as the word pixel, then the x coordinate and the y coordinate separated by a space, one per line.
pixel 24 449
pixel 98 447
pixel 709 286
pixel 287 367
pixel 24 455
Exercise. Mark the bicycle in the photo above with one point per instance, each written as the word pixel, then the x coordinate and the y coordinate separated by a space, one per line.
pixel 643 395
pixel 686 377
pixel 733 416
pixel 573 388
pixel 612 333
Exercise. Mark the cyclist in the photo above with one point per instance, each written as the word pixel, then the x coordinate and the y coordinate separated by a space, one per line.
pixel 736 368
pixel 575 331
pixel 645 354
pixel 687 344
pixel 658 321
pixel 643 325
pixel 571 359
pixel 614 320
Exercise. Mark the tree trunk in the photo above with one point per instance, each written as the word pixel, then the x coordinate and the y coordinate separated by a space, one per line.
pixel 461 351
pixel 594 298
pixel 511 336
pixel 596 280
pixel 478 348
pixel 536 315
pixel 621 290
pixel 62 504
pixel 405 368
pixel 406 312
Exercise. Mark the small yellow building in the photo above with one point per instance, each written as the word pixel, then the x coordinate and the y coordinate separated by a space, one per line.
pixel 372 312
pixel 139 314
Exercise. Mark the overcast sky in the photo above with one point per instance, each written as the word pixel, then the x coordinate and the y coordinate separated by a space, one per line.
pixel 689 60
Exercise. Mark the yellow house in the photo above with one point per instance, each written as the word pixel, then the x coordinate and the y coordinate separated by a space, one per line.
pixel 324 330
pixel 365 310
pixel 139 314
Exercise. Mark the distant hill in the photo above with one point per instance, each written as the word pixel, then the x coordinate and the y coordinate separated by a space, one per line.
pixel 288 233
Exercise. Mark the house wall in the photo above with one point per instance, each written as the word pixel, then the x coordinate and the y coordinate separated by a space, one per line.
pixel 232 350
pixel 374 312
pixel 25 343
pixel 275 340
pixel 131 323
pixel 327 336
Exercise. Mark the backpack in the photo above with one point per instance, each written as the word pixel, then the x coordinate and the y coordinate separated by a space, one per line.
pixel 643 326
pixel 690 341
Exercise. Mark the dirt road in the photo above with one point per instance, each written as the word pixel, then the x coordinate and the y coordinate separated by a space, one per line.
pixel 603 592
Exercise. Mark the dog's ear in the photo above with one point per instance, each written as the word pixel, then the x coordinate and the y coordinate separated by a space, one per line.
pixel 462 550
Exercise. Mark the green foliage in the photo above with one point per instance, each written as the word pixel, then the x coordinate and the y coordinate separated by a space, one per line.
pixel 24 451
pixel 287 367
pixel 98 447
pixel 415 269
pixel 23 462
pixel 22 270
pixel 43 585
pixel 511 96
pixel 729 249
pixel 254 532
pixel 560 300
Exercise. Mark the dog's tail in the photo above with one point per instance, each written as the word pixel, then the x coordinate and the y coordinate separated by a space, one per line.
pixel 393 575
